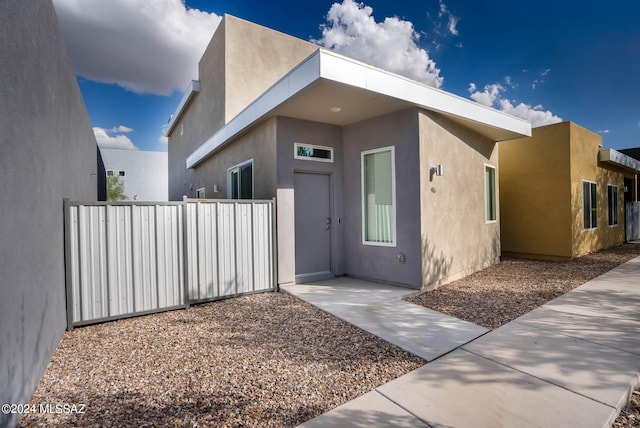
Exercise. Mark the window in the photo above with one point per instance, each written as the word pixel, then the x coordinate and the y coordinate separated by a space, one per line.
pixel 612 205
pixel 200 193
pixel 490 193
pixel 121 173
pixel 310 152
pixel 590 204
pixel 110 172
pixel 240 178
pixel 379 197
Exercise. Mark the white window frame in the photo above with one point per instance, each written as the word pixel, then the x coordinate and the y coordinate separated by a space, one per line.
pixel 110 172
pixel 122 173
pixel 199 192
pixel 591 227
pixel 486 193
pixel 363 201
pixel 615 222
pixel 310 158
pixel 237 168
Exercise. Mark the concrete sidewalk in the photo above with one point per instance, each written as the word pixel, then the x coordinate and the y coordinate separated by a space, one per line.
pixel 378 309
pixel 572 362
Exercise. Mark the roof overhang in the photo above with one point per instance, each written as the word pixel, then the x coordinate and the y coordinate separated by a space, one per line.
pixel 620 160
pixel 192 90
pixel 330 88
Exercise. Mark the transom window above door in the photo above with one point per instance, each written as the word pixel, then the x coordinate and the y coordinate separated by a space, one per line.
pixel 312 152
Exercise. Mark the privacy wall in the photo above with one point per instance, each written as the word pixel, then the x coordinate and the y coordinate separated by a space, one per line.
pixel 47 153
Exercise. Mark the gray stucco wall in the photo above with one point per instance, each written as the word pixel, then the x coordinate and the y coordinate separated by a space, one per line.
pixel 145 172
pixel 291 131
pixel 260 145
pixel 48 152
pixel 400 130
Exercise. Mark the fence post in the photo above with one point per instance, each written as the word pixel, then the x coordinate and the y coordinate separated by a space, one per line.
pixel 67 262
pixel 274 240
pixel 185 252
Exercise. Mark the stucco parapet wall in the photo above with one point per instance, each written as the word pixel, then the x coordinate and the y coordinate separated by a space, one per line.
pixel 342 73
pixel 614 157
pixel 192 90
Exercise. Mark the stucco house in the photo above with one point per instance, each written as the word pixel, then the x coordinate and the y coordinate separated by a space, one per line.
pixel 561 194
pixel 375 176
pixel 144 173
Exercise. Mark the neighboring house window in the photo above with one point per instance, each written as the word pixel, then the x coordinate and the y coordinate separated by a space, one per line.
pixel 240 178
pixel 110 172
pixel 379 197
pixel 311 152
pixel 612 205
pixel 490 193
pixel 200 193
pixel 121 173
pixel 590 204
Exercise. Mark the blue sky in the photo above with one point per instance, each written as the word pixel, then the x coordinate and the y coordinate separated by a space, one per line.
pixel 545 61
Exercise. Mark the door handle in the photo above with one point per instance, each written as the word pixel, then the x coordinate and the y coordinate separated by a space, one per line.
pixel 328 223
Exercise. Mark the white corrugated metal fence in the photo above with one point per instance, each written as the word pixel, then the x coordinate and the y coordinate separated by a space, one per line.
pixel 125 259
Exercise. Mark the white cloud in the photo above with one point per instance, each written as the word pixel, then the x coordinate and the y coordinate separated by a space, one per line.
pixel 144 46
pixel 163 139
pixel 121 129
pixel 536 115
pixel 352 30
pixel 112 142
pixel 492 96
pixel 452 21
pixel 487 97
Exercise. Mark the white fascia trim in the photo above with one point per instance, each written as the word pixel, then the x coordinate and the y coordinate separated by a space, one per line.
pixel 192 89
pixel 348 71
pixel 620 159
pixel 302 76
pixel 324 64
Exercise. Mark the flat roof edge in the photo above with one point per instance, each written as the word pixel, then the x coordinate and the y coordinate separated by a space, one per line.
pixel 619 159
pixel 191 91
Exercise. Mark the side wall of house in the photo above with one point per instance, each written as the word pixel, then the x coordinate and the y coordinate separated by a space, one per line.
pixel 145 176
pixel 241 62
pixel 292 131
pixel 382 263
pixel 455 237
pixel 535 185
pixel 48 153
pixel 258 145
pixel 201 119
pixel 256 57
pixel 585 146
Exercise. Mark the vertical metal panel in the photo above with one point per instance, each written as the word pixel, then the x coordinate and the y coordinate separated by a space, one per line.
pixel 262 247
pixel 226 249
pixel 244 249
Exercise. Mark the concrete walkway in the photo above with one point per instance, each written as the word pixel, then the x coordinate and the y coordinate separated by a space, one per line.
pixel 572 362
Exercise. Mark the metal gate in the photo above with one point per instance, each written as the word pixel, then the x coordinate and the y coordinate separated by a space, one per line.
pixel 132 258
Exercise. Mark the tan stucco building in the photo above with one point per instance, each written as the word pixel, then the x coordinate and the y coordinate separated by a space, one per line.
pixel 375 176
pixel 561 194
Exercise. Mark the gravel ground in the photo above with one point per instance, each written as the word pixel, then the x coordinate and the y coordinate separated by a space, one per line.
pixel 259 360
pixel 271 359
pixel 513 287
pixel 502 293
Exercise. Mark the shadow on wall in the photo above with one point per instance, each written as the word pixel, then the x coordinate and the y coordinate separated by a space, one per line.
pixel 439 269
